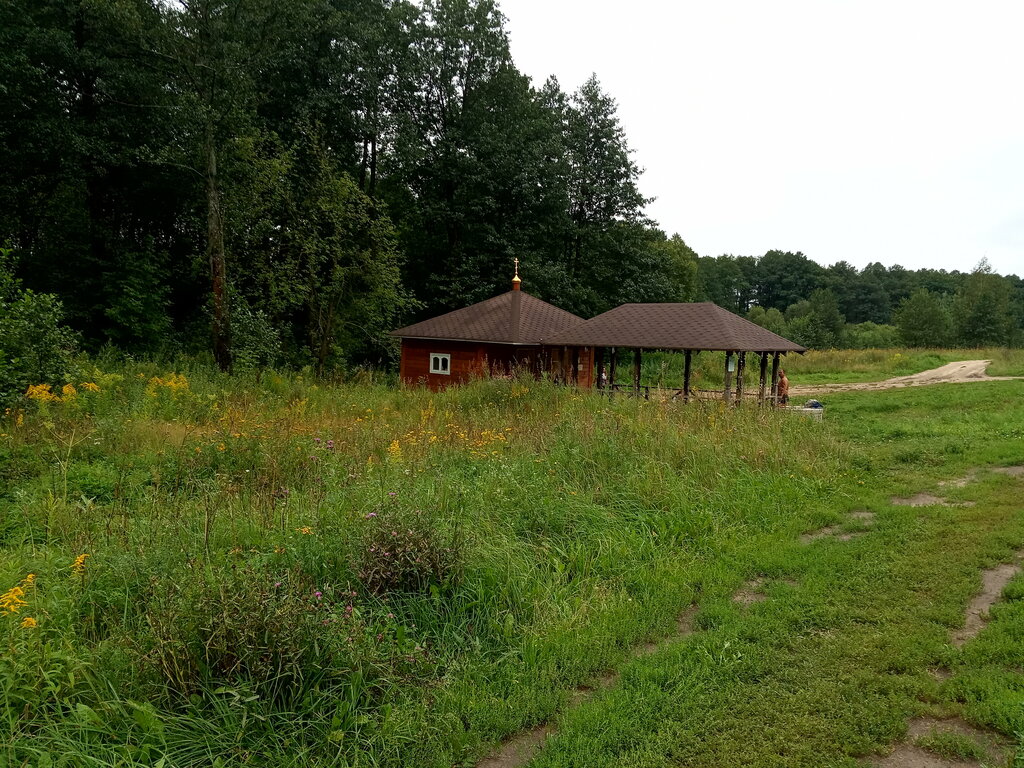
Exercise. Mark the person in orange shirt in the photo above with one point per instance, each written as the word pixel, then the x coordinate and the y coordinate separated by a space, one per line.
pixel 783 387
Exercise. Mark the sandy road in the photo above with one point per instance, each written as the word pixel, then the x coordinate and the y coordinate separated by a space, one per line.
pixel 961 372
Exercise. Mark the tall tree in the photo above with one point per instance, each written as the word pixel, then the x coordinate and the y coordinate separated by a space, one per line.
pixel 923 320
pixel 785 278
pixel 80 110
pixel 215 52
pixel 982 309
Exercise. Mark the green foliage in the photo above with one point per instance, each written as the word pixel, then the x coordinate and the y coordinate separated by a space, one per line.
pixel 982 309
pixel 35 347
pixel 256 342
pixel 923 320
pixel 869 335
pixel 816 322
pixel 771 319
pixel 786 278
pixel 343 169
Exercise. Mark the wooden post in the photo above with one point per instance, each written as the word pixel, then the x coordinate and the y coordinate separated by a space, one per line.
pixel 763 382
pixel 611 372
pixel 575 366
pixel 728 378
pixel 687 359
pixel 741 366
pixel 637 354
pixel 775 379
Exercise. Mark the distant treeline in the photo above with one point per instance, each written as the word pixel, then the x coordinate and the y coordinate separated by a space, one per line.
pixel 841 306
pixel 284 182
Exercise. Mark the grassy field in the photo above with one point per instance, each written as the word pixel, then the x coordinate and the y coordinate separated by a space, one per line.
pixel 838 366
pixel 217 571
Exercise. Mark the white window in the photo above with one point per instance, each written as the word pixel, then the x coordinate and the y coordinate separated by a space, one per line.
pixel 440 364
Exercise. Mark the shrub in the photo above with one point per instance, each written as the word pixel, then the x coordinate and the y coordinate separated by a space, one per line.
pixel 255 343
pixel 275 636
pixel 34 347
pixel 405 553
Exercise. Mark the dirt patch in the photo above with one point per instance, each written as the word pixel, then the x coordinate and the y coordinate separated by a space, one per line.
pixel 960 482
pixel 518 750
pixel 862 516
pixel 940 673
pixel 821 533
pixel 1011 471
pixel 993 581
pixel 951 743
pixel 751 592
pixel 684 627
pixel 919 500
pixel 952 373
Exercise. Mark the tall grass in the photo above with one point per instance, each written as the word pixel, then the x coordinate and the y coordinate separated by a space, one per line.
pixel 282 572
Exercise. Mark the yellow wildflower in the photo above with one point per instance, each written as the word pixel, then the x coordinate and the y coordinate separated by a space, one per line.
pixel 395 450
pixel 306 530
pixel 12 600
pixel 29 623
pixel 221 446
pixel 89 386
pixel 69 392
pixel 78 567
pixel 42 393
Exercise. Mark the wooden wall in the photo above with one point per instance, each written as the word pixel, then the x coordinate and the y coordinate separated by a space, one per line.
pixel 561 361
pixel 469 360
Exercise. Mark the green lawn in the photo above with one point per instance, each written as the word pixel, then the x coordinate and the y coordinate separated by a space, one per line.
pixel 830 668
pixel 286 573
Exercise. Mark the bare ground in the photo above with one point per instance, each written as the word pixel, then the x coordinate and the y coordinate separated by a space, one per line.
pixel 961 372
pixel 927 500
pixel 863 516
pixel 1011 471
pixel 751 592
pixel 909 755
pixel 993 581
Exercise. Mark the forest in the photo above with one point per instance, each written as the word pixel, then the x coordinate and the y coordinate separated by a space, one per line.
pixel 276 183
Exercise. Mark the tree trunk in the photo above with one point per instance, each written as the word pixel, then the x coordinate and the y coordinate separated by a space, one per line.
pixel 215 253
pixel 373 167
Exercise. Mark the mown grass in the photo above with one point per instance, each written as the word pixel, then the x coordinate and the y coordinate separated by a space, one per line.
pixel 237 606
pixel 831 667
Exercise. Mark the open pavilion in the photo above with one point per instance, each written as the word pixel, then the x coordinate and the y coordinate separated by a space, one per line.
pixel 575 353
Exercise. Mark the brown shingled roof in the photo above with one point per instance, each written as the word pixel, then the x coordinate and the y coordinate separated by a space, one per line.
pixel 514 317
pixel 701 326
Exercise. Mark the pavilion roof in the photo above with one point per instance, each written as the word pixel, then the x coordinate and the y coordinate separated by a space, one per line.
pixel 514 317
pixel 697 326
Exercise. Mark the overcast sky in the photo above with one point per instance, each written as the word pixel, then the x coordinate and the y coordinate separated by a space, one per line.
pixel 867 131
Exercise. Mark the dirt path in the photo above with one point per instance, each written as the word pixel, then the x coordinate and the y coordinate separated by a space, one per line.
pixel 960 372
